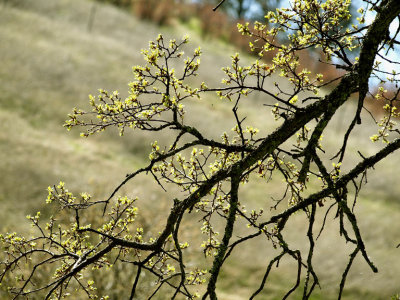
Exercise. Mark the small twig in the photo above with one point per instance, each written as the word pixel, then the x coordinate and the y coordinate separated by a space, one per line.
pixel 346 271
pixel 218 5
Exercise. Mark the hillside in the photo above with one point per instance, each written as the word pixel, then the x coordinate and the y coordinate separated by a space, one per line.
pixel 50 63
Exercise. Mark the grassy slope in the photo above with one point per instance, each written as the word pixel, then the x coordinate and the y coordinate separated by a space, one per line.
pixel 50 63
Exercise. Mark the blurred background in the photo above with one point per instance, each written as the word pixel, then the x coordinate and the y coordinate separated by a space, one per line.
pixel 53 54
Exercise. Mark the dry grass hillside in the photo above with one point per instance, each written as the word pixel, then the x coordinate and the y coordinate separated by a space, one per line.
pixel 50 62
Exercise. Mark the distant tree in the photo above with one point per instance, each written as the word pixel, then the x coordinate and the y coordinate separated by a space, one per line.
pixel 118 2
pixel 210 173
pixel 252 9
pixel 238 7
pixel 266 6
